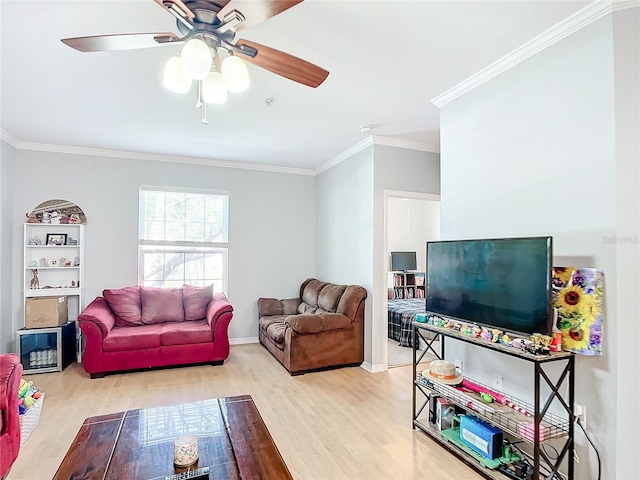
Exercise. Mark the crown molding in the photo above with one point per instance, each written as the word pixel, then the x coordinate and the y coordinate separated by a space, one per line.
pixel 408 144
pixel 10 139
pixel 99 152
pixel 358 147
pixel 568 26
pixel 376 140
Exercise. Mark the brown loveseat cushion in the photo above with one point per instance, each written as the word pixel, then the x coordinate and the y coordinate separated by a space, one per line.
pixel 195 301
pixel 330 296
pixel 311 323
pixel 125 305
pixel 310 296
pixel 161 305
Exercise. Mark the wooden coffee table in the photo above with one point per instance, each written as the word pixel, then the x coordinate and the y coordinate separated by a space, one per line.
pixel 233 442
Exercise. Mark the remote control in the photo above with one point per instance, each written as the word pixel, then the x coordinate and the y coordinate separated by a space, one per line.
pixel 202 472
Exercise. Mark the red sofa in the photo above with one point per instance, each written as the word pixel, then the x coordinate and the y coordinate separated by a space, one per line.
pixel 143 327
pixel 10 375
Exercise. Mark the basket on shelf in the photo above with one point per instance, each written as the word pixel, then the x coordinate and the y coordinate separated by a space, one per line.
pixel 29 421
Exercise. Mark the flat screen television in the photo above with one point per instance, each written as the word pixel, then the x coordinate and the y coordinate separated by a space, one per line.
pixel 502 283
pixel 401 261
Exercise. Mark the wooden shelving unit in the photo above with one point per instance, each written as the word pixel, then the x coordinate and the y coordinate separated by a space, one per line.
pixel 408 284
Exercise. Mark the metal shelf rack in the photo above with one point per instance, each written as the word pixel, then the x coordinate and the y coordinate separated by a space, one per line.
pixel 555 426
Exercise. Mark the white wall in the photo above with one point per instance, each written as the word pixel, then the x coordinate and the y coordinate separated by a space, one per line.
pixel 532 152
pixel 271 226
pixel 344 225
pixel 350 225
pixel 411 222
pixel 7 156
pixel 626 40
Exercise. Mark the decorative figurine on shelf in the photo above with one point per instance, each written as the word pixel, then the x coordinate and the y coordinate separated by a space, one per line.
pixel 540 344
pixel 35 240
pixel 31 218
pixel 505 340
pixel 35 282
pixel 55 218
pixel 46 217
pixel 74 218
pixel 495 335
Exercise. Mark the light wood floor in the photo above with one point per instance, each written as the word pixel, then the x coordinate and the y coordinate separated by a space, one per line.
pixel 338 424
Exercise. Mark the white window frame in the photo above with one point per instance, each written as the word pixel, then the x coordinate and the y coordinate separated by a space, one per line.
pixel 181 245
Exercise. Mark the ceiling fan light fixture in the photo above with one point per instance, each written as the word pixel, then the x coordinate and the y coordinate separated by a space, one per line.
pixel 196 59
pixel 213 89
pixel 175 78
pixel 235 74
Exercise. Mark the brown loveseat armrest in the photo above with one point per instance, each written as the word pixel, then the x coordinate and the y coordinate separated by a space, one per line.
pixel 268 307
pixel 312 323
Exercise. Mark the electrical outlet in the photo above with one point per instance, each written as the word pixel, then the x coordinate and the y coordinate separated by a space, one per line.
pixel 580 411
pixel 458 364
pixel 497 382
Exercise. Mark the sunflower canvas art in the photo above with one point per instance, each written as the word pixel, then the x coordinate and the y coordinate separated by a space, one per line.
pixel 577 297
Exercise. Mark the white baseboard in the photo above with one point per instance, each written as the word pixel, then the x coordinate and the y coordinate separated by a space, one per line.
pixel 379 367
pixel 243 340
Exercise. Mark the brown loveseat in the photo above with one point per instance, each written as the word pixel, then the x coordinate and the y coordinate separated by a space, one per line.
pixel 323 328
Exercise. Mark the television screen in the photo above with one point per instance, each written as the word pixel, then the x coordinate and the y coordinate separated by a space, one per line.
pixel 503 283
pixel 403 261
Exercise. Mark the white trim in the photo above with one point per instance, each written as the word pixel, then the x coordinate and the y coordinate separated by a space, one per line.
pixel 408 144
pixel 10 139
pixel 243 340
pixel 358 147
pixel 373 368
pixel 99 152
pixel 376 140
pixel 416 195
pixel 571 24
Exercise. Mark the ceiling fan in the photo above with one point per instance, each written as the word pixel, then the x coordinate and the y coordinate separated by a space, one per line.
pixel 216 24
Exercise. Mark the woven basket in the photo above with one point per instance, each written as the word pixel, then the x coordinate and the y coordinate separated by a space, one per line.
pixel 29 421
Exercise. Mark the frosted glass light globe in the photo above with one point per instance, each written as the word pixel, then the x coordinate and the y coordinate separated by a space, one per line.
pixel 234 74
pixel 175 79
pixel 196 59
pixel 213 89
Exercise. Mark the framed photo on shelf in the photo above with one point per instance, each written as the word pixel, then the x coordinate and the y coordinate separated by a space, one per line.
pixel 56 238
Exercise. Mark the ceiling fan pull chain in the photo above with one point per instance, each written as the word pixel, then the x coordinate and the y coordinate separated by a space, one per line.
pixel 199 102
pixel 205 120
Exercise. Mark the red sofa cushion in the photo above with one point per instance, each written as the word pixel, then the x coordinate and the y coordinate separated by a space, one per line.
pixel 186 333
pixel 132 338
pixel 125 305
pixel 161 305
pixel 195 301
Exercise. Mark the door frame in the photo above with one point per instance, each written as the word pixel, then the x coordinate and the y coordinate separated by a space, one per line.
pixel 385 259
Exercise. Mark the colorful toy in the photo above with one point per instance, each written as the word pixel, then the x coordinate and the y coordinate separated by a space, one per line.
pixel 27 396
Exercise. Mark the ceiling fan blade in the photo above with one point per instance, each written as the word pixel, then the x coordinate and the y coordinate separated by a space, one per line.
pixel 285 65
pixel 127 41
pixel 255 11
pixel 180 8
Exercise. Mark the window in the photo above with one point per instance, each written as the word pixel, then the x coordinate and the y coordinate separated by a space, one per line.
pixel 183 238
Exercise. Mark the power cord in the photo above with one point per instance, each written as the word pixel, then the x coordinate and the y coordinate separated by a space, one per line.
pixel 579 423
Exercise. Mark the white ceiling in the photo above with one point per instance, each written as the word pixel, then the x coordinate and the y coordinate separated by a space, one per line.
pixel 387 60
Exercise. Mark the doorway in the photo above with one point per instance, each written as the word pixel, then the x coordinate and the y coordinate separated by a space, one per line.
pixel 411 220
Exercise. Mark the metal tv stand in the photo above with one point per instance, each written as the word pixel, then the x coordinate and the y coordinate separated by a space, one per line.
pixel 556 427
